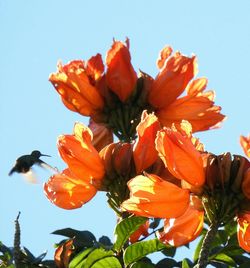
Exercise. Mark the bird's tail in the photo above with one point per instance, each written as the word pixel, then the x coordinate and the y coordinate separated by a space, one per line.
pixel 12 171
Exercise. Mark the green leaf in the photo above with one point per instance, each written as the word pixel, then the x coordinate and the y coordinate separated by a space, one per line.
pixel 186 263
pixel 96 255
pixel 167 262
pixel 232 251
pixel 155 223
pixel 169 251
pixel 80 258
pixel 105 241
pixel 245 265
pixel 142 264
pixel 111 262
pixel 125 228
pixel 223 258
pixel 198 249
pixel 138 250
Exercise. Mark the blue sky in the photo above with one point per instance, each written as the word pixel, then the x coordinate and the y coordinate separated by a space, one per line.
pixel 36 34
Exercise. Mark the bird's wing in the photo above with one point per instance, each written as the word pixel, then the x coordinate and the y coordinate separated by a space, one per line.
pixel 47 166
pixel 31 176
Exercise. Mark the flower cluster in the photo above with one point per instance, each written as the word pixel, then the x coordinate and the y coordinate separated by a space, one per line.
pixel 157 169
pixel 115 97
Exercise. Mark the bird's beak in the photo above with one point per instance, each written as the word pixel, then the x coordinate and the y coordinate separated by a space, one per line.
pixel 45 155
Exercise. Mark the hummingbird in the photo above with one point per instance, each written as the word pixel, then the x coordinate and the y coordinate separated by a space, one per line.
pixel 25 162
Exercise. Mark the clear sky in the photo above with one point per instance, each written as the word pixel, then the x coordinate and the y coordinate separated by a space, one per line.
pixel 34 35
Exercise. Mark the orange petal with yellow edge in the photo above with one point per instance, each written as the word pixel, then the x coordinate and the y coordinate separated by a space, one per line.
pixel 180 156
pixel 245 144
pixel 144 150
pixel 78 94
pixel 67 191
pixel 172 80
pixel 63 254
pixel 95 67
pixel 150 196
pixel 163 56
pixel 121 76
pixel 80 155
pixel 243 231
pixel 184 229
pixel 200 111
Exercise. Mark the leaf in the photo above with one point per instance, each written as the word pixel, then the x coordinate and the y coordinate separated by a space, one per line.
pixel 125 228
pixel 155 223
pixel 110 262
pixel 166 262
pixel 245 265
pixel 81 238
pixel 105 241
pixel 198 249
pixel 96 255
pixel 142 264
pixel 80 258
pixel 186 263
pixel 169 251
pixel 138 250
pixel 223 258
pixel 232 250
pixel 38 259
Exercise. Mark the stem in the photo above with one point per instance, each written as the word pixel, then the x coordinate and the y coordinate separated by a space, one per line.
pixel 17 249
pixel 205 248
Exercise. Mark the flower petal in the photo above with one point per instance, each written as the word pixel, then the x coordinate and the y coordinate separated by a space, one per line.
pixel 144 150
pixel 245 144
pixel 243 231
pixel 80 155
pixel 141 231
pixel 150 196
pixel 180 156
pixel 95 67
pixel 77 93
pixel 121 76
pixel 67 191
pixel 163 56
pixel 245 186
pixel 200 111
pixel 102 135
pixel 172 80
pixel 184 229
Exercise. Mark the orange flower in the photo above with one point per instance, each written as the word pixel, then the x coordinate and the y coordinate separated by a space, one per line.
pixel 151 196
pixel 244 231
pixel 245 144
pixel 80 155
pixel 67 191
pixel 145 153
pixel 78 184
pixel 121 76
pixel 172 80
pixel 197 107
pixel 117 159
pixel 141 231
pixel 72 82
pixel 102 135
pixel 184 229
pixel 180 156
pixel 63 254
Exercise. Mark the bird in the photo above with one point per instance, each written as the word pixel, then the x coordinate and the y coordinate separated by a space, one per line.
pixel 25 162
